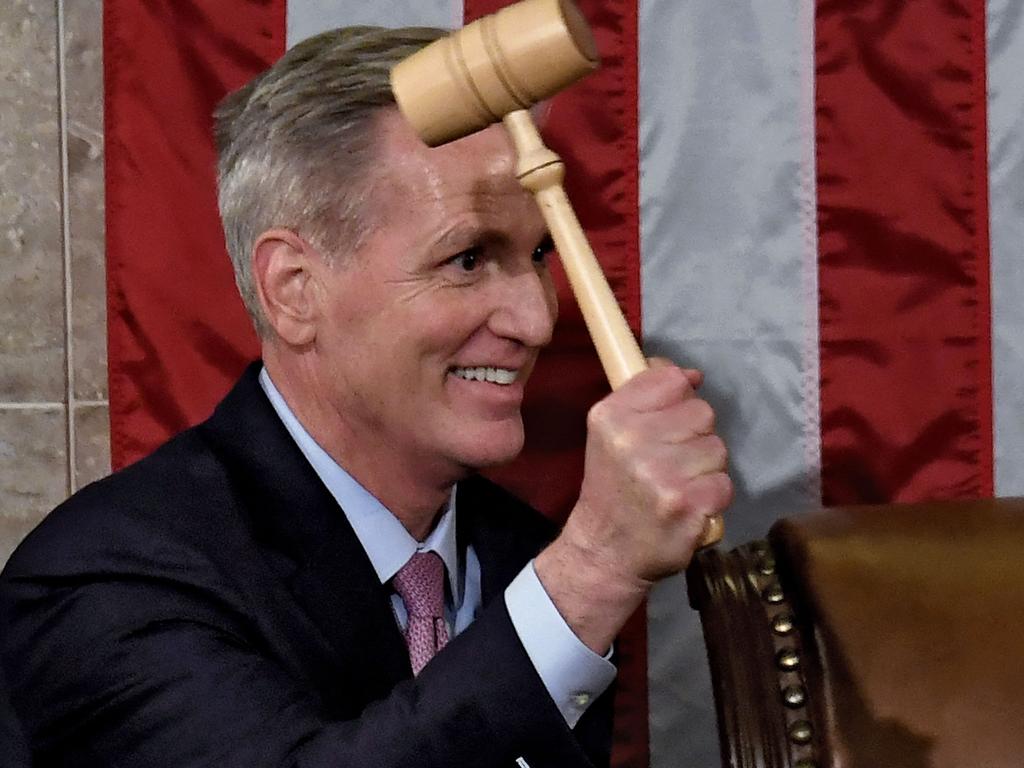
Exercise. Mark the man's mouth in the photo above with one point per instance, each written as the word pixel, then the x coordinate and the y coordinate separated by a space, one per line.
pixel 503 376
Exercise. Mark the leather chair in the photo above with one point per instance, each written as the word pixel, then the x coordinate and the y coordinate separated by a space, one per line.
pixel 870 637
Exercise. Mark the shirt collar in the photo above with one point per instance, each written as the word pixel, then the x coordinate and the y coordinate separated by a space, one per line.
pixel 386 541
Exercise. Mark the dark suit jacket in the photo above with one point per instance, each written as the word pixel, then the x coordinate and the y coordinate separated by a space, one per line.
pixel 210 605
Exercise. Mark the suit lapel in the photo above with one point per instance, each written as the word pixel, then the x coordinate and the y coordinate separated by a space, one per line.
pixel 317 555
pixel 297 521
pixel 505 533
pixel 338 587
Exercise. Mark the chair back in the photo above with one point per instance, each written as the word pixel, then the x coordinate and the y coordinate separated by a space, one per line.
pixel 861 637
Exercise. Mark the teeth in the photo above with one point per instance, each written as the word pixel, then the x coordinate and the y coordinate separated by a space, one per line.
pixel 492 375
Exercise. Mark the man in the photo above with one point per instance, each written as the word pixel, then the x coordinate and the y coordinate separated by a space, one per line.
pixel 315 576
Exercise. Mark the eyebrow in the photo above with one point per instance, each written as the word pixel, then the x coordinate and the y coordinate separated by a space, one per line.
pixel 461 233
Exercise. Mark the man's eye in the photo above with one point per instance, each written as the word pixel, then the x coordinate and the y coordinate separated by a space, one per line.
pixel 470 259
pixel 543 250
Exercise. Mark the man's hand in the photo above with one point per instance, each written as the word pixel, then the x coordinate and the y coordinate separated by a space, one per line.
pixel 655 471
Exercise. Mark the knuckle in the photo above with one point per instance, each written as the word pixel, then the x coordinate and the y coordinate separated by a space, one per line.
pixel 668 380
pixel 728 489
pixel 701 415
pixel 717 450
pixel 599 416
pixel 662 490
pixel 724 490
pixel 645 475
pixel 711 493
pixel 676 379
pixel 621 443
pixel 669 501
pixel 672 373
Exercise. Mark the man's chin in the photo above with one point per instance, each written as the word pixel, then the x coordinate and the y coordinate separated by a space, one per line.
pixel 493 449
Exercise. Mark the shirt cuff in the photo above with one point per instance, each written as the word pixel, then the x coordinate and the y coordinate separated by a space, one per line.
pixel 573 675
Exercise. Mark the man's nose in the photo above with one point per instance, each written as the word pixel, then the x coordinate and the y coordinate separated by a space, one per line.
pixel 526 310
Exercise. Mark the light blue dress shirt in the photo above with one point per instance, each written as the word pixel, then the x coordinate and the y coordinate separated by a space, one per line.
pixel 573 675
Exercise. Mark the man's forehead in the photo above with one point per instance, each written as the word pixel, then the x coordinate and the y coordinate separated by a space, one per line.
pixel 482 163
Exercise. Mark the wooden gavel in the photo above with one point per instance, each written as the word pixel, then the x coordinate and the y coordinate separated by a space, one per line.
pixel 494 70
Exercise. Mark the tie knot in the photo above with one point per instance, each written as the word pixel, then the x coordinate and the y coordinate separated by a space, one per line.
pixel 420 582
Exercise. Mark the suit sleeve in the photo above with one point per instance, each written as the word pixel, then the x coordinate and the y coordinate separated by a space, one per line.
pixel 132 671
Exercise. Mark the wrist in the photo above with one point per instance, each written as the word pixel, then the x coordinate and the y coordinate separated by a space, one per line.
pixel 591 590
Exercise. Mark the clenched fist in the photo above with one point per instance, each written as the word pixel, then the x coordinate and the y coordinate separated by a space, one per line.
pixel 655 473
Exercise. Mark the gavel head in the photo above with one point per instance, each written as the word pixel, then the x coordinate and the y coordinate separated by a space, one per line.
pixel 500 63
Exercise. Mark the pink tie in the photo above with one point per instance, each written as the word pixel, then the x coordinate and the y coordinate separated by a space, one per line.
pixel 420 583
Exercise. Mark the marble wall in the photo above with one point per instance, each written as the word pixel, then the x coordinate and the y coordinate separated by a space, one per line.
pixel 54 434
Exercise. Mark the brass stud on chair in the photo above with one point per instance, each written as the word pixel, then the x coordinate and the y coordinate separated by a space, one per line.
pixel 773 594
pixel 766 565
pixel 787 659
pixel 760 572
pixel 794 696
pixel 782 624
pixel 800 732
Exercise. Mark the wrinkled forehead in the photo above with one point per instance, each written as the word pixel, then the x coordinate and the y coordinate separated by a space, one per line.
pixel 481 165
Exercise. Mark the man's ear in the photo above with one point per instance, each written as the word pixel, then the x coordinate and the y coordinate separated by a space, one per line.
pixel 284 273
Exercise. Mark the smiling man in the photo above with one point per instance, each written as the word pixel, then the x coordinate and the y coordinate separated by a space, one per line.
pixel 316 576
pixel 410 359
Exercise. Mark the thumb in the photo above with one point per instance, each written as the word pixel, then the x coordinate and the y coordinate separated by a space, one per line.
pixel 694 376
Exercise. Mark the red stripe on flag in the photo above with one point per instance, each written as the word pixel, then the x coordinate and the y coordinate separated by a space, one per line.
pixel 903 244
pixel 983 266
pixel 593 126
pixel 178 336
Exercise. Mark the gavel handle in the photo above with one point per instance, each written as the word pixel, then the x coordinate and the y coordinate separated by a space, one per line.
pixel 541 171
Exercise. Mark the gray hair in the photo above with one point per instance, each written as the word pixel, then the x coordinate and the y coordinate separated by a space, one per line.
pixel 296 145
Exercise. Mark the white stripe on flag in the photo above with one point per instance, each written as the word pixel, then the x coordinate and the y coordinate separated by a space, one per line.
pixel 729 284
pixel 1005 19
pixel 308 17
